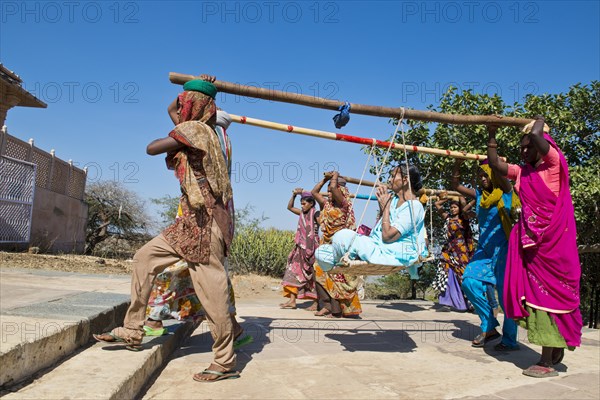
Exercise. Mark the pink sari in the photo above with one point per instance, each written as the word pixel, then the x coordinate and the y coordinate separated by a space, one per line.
pixel 543 269
pixel 299 275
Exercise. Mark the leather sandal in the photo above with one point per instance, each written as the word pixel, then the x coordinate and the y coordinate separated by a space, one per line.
pixel 540 371
pixel 481 339
pixel 121 335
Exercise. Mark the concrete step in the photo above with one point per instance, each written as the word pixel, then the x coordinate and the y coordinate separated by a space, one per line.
pixel 105 370
pixel 38 335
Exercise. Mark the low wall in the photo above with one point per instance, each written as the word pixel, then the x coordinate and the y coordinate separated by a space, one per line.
pixel 58 222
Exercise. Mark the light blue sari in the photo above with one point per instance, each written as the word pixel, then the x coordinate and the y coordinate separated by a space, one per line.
pixel 408 219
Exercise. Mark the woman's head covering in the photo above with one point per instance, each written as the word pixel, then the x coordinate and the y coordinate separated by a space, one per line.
pixel 485 167
pixel 223 119
pixel 199 85
pixel 494 198
pixel 195 106
pixel 197 112
pixel 306 195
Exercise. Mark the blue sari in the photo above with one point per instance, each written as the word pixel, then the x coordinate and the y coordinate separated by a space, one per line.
pixel 492 246
pixel 487 268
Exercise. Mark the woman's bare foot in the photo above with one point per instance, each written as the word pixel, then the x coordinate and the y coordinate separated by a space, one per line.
pixel 290 304
pixel 323 313
pixel 313 307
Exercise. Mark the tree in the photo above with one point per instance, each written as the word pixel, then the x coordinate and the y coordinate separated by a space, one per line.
pixel 114 211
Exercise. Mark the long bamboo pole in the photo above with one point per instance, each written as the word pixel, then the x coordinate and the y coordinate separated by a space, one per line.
pixel 436 192
pixel 420 192
pixel 378 111
pixel 361 196
pixel 354 139
pixel 357 181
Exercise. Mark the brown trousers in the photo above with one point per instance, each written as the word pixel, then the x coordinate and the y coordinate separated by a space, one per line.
pixel 210 283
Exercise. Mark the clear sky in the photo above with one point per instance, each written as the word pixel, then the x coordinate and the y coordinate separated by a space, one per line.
pixel 103 68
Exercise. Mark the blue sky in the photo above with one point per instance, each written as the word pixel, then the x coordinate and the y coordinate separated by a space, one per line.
pixel 103 68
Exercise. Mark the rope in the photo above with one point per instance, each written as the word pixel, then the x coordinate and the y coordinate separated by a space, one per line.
pixel 410 206
pixel 430 224
pixel 382 165
pixel 377 176
pixel 431 241
pixel 360 183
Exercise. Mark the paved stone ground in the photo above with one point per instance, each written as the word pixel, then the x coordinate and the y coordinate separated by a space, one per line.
pixel 403 349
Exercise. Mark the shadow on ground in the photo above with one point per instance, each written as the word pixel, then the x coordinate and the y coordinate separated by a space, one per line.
pixel 397 341
pixel 406 307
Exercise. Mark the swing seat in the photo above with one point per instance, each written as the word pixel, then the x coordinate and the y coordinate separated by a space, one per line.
pixel 360 267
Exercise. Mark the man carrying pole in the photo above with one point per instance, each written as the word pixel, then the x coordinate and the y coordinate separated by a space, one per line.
pixel 201 236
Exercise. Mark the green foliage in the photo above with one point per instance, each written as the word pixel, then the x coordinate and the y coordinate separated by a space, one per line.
pixel 245 220
pixel 393 286
pixel 585 190
pixel 259 250
pixel 400 286
pixel 169 207
pixel 427 273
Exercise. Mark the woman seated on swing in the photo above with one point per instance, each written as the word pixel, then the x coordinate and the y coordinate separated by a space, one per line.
pixel 399 236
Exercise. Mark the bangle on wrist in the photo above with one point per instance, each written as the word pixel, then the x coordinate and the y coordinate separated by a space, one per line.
pixel 492 145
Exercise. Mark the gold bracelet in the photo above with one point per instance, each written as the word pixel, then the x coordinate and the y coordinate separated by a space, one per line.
pixel 492 145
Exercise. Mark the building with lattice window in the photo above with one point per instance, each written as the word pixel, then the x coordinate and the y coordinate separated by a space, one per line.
pixel 41 196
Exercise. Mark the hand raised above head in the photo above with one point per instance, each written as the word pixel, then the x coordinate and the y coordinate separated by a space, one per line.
pixel 298 191
pixel 538 125
pixel 208 78
pixel 328 175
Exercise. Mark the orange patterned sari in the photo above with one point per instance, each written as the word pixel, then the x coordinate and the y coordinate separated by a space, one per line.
pixel 340 287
